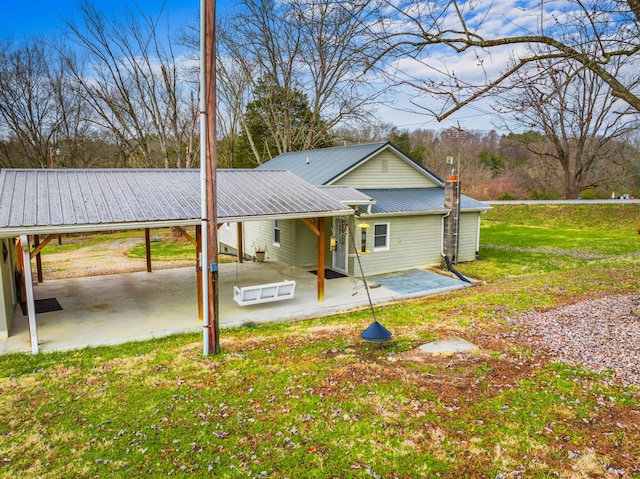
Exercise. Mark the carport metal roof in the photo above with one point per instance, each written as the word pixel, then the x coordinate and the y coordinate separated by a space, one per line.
pixel 45 201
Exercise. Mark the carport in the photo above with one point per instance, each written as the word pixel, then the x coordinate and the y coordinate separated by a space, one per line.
pixel 47 202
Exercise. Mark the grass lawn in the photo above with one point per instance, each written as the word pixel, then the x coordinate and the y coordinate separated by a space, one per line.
pixel 311 400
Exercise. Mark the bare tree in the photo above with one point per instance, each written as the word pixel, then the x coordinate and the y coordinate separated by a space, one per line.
pixel 311 47
pixel 458 52
pixel 134 86
pixel 579 117
pixel 47 122
pixel 29 107
pixel 234 91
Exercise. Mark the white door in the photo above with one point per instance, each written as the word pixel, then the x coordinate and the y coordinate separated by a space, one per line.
pixel 339 255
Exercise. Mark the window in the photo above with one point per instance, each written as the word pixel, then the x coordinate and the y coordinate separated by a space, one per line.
pixel 381 237
pixel 276 233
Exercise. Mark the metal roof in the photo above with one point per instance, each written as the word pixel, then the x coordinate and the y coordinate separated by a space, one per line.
pixel 347 195
pixel 325 165
pixel 417 200
pixel 34 201
pixel 251 193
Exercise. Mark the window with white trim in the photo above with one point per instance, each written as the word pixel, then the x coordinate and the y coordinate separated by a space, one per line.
pixel 381 236
pixel 276 233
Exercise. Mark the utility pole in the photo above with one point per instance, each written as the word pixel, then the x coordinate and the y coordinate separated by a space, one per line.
pixel 212 343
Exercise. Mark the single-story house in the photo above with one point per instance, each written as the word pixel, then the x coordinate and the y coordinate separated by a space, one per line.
pixel 318 209
pixel 406 217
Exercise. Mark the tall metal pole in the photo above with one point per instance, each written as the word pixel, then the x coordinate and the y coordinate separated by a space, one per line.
pixel 202 106
pixel 211 160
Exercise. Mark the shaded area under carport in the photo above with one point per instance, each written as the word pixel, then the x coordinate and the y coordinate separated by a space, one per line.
pixel 112 309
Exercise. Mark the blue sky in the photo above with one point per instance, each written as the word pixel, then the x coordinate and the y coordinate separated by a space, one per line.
pixel 22 19
pixel 25 19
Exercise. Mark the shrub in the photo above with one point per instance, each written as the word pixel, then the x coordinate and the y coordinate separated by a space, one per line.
pixel 507 197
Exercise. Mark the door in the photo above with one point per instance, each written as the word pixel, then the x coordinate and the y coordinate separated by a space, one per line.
pixel 339 254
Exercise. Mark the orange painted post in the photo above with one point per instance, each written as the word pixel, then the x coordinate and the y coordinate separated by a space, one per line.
pixel 239 247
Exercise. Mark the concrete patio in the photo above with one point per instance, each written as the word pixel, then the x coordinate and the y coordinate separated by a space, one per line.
pixel 104 310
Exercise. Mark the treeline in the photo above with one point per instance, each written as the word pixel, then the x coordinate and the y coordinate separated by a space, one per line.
pixel 522 166
pixel 122 91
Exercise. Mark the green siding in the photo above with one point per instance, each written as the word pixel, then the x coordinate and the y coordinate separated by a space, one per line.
pixel 414 241
pixel 386 170
pixel 228 238
pixel 306 246
pixel 468 236
pixel 298 244
pixel 258 233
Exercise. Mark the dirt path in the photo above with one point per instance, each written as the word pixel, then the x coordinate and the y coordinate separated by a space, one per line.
pixel 106 258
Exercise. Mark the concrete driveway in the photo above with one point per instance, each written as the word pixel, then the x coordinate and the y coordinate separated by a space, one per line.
pixel 112 309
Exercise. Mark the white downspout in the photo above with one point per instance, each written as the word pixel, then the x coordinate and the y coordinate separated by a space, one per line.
pixel 204 255
pixel 31 304
pixel 444 217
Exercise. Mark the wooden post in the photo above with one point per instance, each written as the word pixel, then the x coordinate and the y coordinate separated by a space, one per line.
pixel 317 227
pixel 321 237
pixel 36 243
pixel 22 294
pixel 147 244
pixel 239 246
pixel 211 184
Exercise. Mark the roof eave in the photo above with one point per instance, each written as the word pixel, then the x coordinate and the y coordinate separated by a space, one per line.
pixel 290 216
pixel 14 232
pixel 358 202
pixel 477 209
pixel 442 211
pixel 439 211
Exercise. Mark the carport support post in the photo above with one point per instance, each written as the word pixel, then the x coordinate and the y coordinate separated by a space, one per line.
pixel 28 283
pixel 147 248
pixel 318 229
pixel 239 246
pixel 36 243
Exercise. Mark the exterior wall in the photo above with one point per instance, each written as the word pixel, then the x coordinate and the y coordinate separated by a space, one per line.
pixel 228 238
pixel 414 241
pixel 297 241
pixel 285 251
pixel 258 233
pixel 7 288
pixel 307 245
pixel 468 236
pixel 386 170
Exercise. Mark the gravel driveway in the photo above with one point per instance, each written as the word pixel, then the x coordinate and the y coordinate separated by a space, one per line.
pixel 600 334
